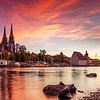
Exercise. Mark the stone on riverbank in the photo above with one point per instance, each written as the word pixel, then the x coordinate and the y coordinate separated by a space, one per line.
pixel 90 75
pixel 62 90
pixel 65 94
pixel 92 96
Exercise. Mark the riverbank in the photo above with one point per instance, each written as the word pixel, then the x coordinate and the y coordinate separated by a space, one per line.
pixel 95 95
pixel 45 64
pixel 5 63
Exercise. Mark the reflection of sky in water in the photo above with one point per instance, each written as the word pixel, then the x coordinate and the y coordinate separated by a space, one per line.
pixel 27 83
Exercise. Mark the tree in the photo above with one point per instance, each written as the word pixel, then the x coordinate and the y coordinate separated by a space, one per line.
pixel 17 47
pixel 23 57
pixel 48 58
pixel 22 48
pixel 20 54
pixel 59 58
pixel 34 57
pixel 41 55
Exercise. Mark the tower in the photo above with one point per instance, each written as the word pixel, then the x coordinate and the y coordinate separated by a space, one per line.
pixel 11 41
pixel 4 39
pixel 86 55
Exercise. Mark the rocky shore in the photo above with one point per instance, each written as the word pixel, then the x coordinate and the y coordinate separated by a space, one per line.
pixel 65 92
pixel 92 96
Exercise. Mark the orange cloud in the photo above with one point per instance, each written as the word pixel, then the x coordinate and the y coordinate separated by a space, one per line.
pixel 72 19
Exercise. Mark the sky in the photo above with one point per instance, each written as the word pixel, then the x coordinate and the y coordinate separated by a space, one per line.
pixel 54 25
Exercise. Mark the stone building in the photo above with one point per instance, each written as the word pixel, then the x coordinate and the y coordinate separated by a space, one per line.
pixel 78 59
pixel 7 45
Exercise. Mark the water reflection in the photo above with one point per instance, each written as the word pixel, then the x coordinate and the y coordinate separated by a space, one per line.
pixel 60 73
pixel 41 72
pixel 76 73
pixel 27 83
pixel 6 85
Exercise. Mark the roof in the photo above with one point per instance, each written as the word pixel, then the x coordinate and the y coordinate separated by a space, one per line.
pixel 79 55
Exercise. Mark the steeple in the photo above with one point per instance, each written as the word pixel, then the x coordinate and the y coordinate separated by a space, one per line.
pixel 86 55
pixel 4 39
pixel 11 40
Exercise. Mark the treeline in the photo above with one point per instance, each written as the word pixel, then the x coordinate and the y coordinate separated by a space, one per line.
pixel 22 55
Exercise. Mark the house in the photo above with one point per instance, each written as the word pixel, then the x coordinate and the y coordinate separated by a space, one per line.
pixel 78 59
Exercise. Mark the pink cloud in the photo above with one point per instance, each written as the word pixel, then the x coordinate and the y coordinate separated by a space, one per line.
pixel 50 18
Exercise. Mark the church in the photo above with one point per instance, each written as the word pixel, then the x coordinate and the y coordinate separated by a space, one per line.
pixel 7 44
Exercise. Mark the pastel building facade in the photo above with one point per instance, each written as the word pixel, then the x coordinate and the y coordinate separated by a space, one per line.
pixel 78 59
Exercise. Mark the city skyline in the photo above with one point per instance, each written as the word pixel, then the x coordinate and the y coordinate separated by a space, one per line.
pixel 54 25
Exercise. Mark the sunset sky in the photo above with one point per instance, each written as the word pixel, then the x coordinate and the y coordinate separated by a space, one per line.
pixel 54 25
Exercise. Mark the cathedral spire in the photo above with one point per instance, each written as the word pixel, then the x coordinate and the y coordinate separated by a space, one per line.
pixel 11 31
pixel 11 40
pixel 4 39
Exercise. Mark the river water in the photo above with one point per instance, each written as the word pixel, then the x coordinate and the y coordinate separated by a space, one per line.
pixel 27 83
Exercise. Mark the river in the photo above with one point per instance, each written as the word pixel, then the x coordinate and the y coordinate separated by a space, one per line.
pixel 27 83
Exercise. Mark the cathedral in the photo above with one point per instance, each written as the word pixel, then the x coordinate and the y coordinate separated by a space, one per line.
pixel 7 45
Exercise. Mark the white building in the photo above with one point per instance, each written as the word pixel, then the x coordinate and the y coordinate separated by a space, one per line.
pixel 78 59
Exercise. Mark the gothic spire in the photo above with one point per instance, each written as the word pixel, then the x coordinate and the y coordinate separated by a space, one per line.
pixel 4 39
pixel 11 40
pixel 11 34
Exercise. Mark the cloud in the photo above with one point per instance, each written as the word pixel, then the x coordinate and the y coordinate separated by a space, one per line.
pixel 40 20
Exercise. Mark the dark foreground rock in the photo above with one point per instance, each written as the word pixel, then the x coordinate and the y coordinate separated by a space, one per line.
pixel 64 94
pixel 61 90
pixel 90 75
pixel 80 91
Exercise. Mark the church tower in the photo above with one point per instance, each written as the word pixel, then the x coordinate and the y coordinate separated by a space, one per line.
pixel 4 39
pixel 86 55
pixel 11 41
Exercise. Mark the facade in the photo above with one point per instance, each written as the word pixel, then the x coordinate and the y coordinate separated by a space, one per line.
pixel 78 59
pixel 7 45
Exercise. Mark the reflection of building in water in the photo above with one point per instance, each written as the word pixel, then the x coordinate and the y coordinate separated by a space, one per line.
pixel 5 86
pixel 59 73
pixel 78 77
pixel 41 72
pixel 76 73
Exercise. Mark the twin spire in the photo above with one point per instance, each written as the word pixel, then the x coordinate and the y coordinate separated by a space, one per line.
pixel 4 39
pixel 11 43
pixel 11 37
